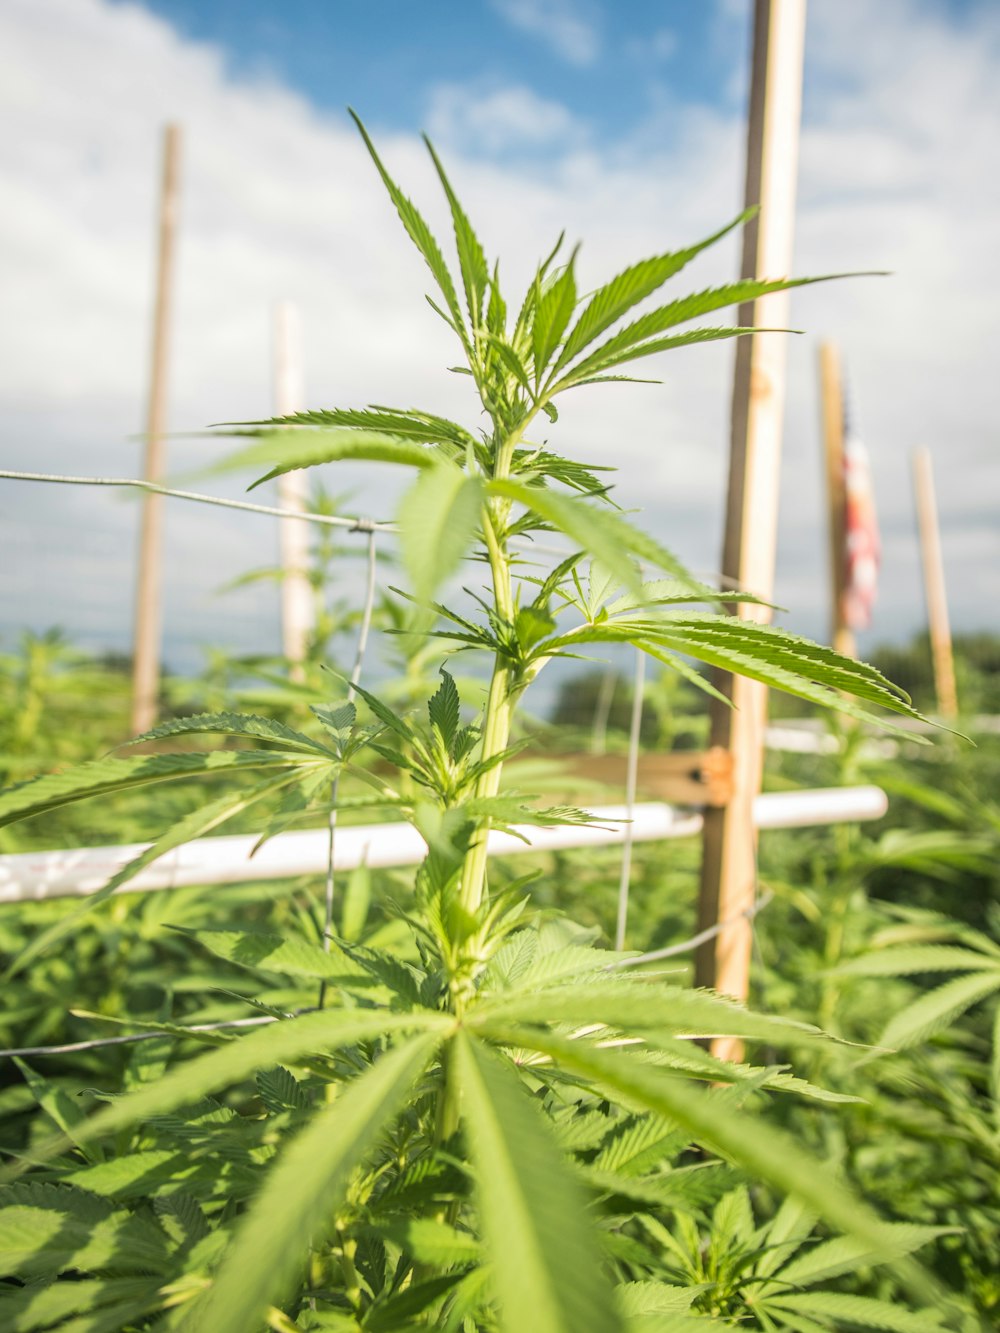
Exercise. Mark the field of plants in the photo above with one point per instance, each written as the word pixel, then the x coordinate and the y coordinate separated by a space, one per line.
pixel 441 1098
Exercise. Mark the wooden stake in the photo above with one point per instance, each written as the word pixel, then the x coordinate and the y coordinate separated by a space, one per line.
pixel 832 397
pixel 298 616
pixel 934 589
pixel 148 609
pixel 729 873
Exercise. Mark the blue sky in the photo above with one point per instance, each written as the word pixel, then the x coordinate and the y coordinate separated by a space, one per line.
pixel 607 63
pixel 622 123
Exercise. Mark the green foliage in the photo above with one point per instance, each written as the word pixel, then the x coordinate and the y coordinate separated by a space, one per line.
pixel 488 1121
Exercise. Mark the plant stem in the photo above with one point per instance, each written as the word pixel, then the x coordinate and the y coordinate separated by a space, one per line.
pixel 499 701
pixel 352 1282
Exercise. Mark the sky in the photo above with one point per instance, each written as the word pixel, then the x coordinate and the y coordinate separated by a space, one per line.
pixel 622 124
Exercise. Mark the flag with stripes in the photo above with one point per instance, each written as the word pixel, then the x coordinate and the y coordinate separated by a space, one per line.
pixel 862 549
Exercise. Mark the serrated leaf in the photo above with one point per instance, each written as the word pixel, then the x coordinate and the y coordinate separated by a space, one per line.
pixel 198 822
pixel 858 1310
pixel 37 1307
pixel 772 656
pixel 284 1042
pixel 934 1010
pixel 845 1254
pixel 638 1006
pixel 281 1091
pixel 546 1264
pixel 554 308
pixel 433 1242
pixel 49 1229
pixel 270 952
pixel 927 958
pixel 337 718
pixel 573 960
pixel 421 235
pixel 356 903
pixel 284 451
pixel 511 361
pixel 132 1175
pixel 471 260
pixel 610 302
pixel 444 709
pixel 101 777
pixel 732 1220
pixel 424 427
pixel 181 1218
pixel 786 1233
pixel 688 1189
pixel 235 724
pixel 438 517
pixel 693 338
pixel 763 1150
pixel 686 308
pixel 610 539
pixel 302 1193
pixel 637 1144
pixel 637 1298
pixel 65 1112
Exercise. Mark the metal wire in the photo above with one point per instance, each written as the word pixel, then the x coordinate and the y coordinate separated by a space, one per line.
pixel 631 775
pixel 328 520
pixel 67 1048
pixel 359 658
pixel 686 946
pixel 654 956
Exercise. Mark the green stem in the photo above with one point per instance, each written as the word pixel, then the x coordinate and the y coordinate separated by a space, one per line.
pixel 352 1281
pixel 499 701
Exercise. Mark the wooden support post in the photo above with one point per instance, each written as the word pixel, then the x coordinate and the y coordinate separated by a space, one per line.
pixel 934 589
pixel 298 615
pixel 148 606
pixel 832 398
pixel 729 873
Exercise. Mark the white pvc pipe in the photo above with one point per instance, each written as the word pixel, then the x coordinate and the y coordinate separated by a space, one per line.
pixel 33 876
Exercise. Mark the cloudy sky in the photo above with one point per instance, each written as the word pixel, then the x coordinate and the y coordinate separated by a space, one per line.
pixel 621 124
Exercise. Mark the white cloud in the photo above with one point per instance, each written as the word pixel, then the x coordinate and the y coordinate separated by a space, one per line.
pixel 563 25
pixel 281 202
pixel 492 122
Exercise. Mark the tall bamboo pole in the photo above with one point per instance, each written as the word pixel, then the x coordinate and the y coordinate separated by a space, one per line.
pixel 832 398
pixel 148 606
pixel 297 608
pixel 934 587
pixel 728 879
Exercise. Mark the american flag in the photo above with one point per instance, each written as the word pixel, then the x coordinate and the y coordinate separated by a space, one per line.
pixel 862 548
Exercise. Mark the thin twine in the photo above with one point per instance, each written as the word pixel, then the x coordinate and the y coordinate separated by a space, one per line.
pixel 359 657
pixel 329 520
pixel 631 775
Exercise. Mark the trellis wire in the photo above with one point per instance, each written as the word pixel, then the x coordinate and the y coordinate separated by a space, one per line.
pixel 329 520
pixel 71 1047
pixel 68 1048
pixel 631 776
pixel 359 657
pixel 371 527
pixel 703 936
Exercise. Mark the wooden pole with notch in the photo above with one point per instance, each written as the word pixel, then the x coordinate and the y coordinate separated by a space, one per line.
pixel 934 587
pixel 148 605
pixel 297 609
pixel 832 399
pixel 729 861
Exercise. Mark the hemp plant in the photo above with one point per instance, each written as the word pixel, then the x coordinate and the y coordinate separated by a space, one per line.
pixel 487 1128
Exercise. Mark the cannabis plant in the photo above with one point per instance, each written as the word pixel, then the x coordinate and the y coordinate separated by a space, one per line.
pixel 489 1125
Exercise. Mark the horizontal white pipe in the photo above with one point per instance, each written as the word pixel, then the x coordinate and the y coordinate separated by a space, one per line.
pixel 33 876
pixel 820 805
